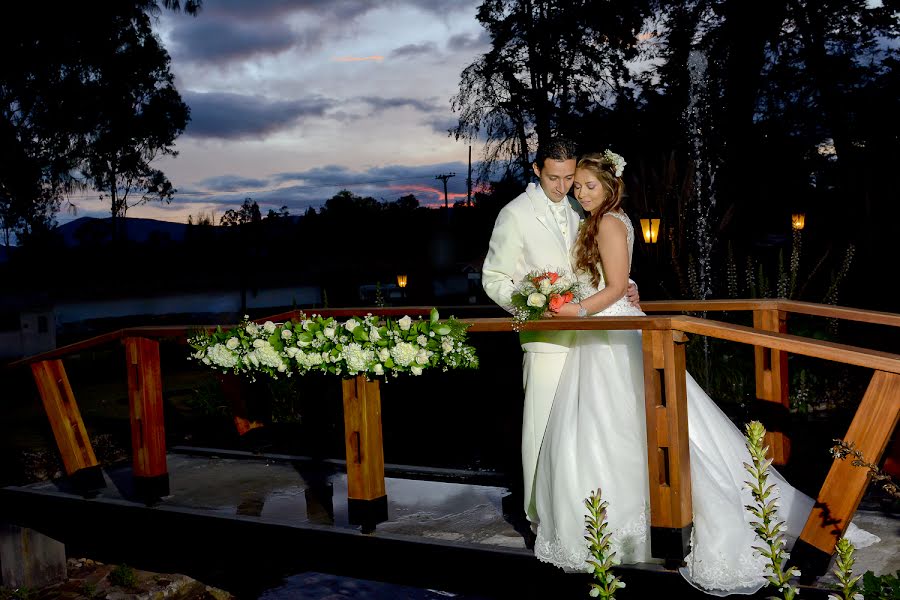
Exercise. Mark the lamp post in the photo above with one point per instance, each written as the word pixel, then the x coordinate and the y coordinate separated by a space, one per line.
pixel 401 283
pixel 798 221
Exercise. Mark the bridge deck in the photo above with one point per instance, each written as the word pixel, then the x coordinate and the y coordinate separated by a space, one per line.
pixel 244 521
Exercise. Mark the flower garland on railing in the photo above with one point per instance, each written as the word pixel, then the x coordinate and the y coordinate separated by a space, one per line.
pixel 358 346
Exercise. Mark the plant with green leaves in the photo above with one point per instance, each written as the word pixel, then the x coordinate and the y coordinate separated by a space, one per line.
pixel 768 528
pixel 881 587
pixel 843 570
pixel 123 576
pixel 357 346
pixel 605 584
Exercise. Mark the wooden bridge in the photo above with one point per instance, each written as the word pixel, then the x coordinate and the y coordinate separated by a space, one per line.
pixel 664 335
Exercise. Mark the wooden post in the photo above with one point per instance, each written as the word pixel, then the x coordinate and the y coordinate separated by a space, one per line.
pixel 68 428
pixel 148 431
pixel 773 410
pixel 668 451
pixel 844 485
pixel 367 499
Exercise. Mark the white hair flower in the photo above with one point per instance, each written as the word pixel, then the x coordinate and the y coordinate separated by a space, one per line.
pixel 616 160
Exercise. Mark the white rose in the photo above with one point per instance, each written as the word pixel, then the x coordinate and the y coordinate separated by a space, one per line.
pixel 422 357
pixel 329 332
pixel 351 324
pixel 269 326
pixel 281 368
pixel 536 300
pixel 416 370
pixel 422 340
pixel 447 346
pixel 291 351
pixel 286 334
pixel 384 354
pixel 232 343
pixel 252 328
pixel 405 323
pixel 259 343
pixel 373 335
pixel 379 370
pixel 544 287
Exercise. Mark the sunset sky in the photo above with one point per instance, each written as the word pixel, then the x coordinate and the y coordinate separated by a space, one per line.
pixel 292 101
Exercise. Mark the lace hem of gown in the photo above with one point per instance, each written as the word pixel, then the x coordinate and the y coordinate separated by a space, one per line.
pixel 724 575
pixel 628 544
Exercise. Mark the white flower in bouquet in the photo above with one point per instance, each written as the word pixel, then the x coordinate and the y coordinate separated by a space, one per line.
pixel 232 343
pixel 351 324
pixel 536 299
pixel 259 343
pixel 269 327
pixel 545 287
pixel 405 323
pixel 447 345
pixel 252 328
pixel 251 356
pixel 267 355
pixel 291 351
pixel 374 336
pixel 282 367
pixel 384 354
pixel 286 334
pixel 422 340
pixel 303 343
pixel 422 356
pixel 416 370
pixel 329 332
pixel 404 353
pixel 378 369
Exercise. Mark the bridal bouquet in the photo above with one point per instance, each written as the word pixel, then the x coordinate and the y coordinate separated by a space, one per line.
pixel 540 291
pixel 359 345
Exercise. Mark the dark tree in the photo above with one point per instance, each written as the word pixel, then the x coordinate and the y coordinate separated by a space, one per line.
pixel 248 213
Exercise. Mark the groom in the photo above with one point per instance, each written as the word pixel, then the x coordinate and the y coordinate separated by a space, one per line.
pixel 537 229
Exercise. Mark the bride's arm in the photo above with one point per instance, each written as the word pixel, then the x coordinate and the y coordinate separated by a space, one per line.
pixel 612 241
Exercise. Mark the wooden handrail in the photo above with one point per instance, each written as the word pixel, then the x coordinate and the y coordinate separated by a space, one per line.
pixel 792 306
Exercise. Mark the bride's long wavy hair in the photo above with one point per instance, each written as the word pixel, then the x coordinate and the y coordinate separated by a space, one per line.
pixel 587 254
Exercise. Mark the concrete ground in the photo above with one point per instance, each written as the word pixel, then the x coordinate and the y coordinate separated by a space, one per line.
pixel 438 507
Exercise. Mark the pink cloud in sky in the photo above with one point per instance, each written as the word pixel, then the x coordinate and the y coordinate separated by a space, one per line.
pixel 356 58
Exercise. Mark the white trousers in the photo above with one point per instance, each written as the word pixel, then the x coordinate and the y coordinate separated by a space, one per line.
pixel 540 376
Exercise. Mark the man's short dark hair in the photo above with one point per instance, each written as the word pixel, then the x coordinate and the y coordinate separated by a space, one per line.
pixel 556 148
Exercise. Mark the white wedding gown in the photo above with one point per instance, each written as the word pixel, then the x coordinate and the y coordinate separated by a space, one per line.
pixel 596 438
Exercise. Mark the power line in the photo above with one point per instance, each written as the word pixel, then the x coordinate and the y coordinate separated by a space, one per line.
pixel 444 177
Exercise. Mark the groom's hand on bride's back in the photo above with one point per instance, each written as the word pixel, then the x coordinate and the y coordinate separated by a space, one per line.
pixel 631 294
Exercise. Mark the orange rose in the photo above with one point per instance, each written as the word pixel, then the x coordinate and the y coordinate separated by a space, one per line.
pixel 556 302
pixel 552 276
pixel 568 296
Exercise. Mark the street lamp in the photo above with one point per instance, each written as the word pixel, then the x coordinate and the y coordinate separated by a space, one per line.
pixel 798 221
pixel 650 228
pixel 401 283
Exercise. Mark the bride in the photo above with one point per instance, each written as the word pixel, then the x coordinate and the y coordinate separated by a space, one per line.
pixel 596 435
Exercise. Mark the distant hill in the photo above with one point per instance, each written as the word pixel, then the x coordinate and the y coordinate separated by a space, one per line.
pixel 94 230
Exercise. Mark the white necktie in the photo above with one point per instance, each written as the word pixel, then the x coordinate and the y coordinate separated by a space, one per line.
pixel 562 220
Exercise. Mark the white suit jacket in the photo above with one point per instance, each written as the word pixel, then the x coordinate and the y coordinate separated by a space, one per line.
pixel 526 237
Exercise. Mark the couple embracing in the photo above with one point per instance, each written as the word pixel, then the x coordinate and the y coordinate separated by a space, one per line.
pixel 584 425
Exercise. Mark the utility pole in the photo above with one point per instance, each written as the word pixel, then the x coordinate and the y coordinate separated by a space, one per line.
pixel 469 180
pixel 444 177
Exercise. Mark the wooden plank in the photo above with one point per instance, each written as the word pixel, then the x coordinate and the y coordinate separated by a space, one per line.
pixel 771 368
pixel 679 447
pixel 677 306
pixel 65 418
pixel 588 323
pixel 870 430
pixel 363 438
pixel 148 432
pixel 851 355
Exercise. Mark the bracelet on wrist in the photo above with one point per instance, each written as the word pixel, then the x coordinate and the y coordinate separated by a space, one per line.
pixel 582 311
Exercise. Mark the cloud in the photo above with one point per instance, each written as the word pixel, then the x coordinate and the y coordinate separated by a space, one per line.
pixel 442 123
pixel 217 40
pixel 378 104
pixel 235 116
pixel 232 183
pixel 468 42
pixel 414 50
pixel 375 58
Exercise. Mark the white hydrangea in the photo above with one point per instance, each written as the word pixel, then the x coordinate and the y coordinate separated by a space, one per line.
pixel 404 353
pixel 309 359
pixel 266 355
pixel 357 357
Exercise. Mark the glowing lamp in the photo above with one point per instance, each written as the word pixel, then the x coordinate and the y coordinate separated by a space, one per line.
pixel 401 281
pixel 798 221
pixel 650 229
